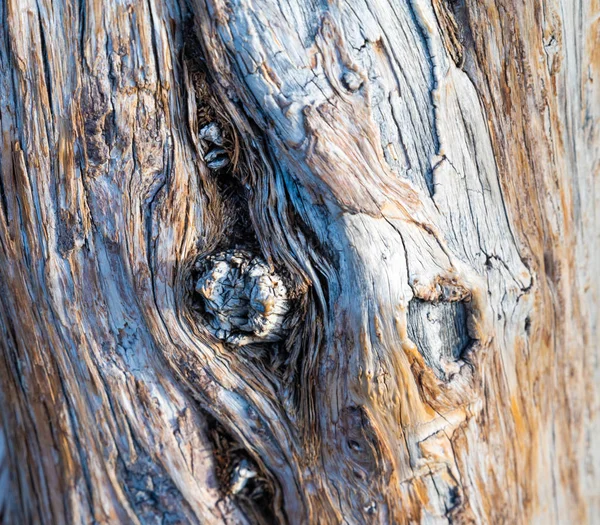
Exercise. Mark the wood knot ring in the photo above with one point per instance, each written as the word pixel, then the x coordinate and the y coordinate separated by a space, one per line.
pixel 244 301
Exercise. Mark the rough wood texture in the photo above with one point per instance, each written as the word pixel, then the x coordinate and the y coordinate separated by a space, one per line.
pixel 415 338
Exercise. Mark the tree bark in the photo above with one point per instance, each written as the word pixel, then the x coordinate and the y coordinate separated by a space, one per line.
pixel 299 262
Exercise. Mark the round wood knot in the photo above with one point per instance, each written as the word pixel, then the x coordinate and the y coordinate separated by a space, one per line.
pixel 352 80
pixel 244 301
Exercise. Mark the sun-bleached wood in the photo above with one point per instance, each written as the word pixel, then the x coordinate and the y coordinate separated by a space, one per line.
pixel 416 185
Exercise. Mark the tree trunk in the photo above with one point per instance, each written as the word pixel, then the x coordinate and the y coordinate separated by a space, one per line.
pixel 299 262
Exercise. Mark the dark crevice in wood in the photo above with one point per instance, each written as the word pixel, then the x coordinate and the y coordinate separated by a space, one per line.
pixel 240 477
pixel 45 65
pixel 444 13
pixel 3 199
pixel 440 331
pixel 232 196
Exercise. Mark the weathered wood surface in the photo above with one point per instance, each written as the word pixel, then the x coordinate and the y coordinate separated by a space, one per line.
pixel 416 185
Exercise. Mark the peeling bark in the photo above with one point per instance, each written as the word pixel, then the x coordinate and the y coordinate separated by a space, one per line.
pixel 299 262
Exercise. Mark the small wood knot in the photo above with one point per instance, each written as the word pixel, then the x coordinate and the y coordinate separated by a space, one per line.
pixel 352 80
pixel 242 472
pixel 244 301
pixel 216 156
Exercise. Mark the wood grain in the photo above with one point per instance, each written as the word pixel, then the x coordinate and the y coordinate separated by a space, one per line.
pixel 418 177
